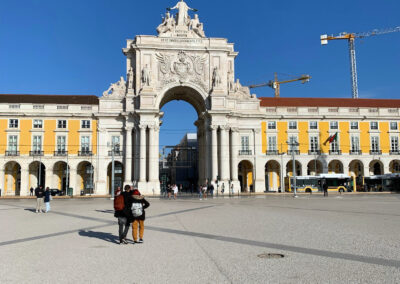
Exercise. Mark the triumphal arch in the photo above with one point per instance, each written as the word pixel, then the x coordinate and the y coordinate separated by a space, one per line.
pixel 182 63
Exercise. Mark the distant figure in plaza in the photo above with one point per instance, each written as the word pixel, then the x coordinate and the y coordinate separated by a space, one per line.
pixel 139 204
pixel 182 15
pixel 47 198
pixel 231 189
pixel 175 189
pixel 169 190
pixel 210 189
pixel 204 191
pixel 122 212
pixel 31 191
pixel 39 193
pixel 200 191
pixel 325 187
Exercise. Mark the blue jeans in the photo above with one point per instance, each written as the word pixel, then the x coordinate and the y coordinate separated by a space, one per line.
pixel 47 206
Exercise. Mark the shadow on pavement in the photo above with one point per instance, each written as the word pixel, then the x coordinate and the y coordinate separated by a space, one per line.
pixel 100 235
pixel 105 211
pixel 31 209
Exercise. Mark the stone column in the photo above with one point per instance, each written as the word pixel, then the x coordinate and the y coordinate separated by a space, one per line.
pixel 128 155
pixel 143 158
pixel 152 156
pixel 224 154
pixel 48 177
pixel 235 154
pixel 2 187
pixel 136 154
pixel 214 154
pixel 156 163
pixel 73 177
pixel 206 154
pixel 200 153
pixel 24 191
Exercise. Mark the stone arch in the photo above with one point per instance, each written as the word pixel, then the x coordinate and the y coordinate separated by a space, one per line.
pixel 314 167
pixel 37 174
pixel 356 171
pixel 12 179
pixel 335 167
pixel 61 177
pixel 118 175
pixel 272 176
pixel 376 168
pixel 187 92
pixel 289 168
pixel 394 166
pixel 85 177
pixel 245 174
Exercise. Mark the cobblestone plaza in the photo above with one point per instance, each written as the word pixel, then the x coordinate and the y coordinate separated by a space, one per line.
pixel 351 238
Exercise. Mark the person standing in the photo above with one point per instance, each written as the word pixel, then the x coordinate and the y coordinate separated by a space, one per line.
pixel 210 189
pixel 39 193
pixel 122 212
pixel 47 198
pixel 139 204
pixel 204 190
pixel 31 190
pixel 325 187
pixel 175 188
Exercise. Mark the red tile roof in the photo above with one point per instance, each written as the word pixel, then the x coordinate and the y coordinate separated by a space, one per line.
pixel 49 99
pixel 328 102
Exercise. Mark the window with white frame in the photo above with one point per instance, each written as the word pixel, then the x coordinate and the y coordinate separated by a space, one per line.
pixel 293 145
pixel 354 125
pixel 314 144
pixel 37 123
pixel 313 124
pixel 272 146
pixel 245 145
pixel 85 144
pixel 61 144
pixel 61 123
pixel 333 125
pixel 13 123
pixel 394 144
pixel 355 144
pixel 334 145
pixel 292 124
pixel 374 125
pixel 12 143
pixel 37 143
pixel 271 124
pixel 14 106
pixel 85 124
pixel 115 142
pixel 375 144
pixel 393 125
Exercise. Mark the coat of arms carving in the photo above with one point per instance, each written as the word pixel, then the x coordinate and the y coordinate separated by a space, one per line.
pixel 182 68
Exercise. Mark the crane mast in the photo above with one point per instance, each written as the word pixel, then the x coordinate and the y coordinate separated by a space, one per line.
pixel 350 37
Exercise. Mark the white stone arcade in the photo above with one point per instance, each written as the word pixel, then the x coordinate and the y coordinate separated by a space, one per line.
pixel 181 64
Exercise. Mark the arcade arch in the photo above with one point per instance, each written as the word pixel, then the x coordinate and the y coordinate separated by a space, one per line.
pixel 61 176
pixel 12 179
pixel 314 167
pixel 118 175
pixel 394 166
pixel 376 168
pixel 272 176
pixel 335 167
pixel 245 171
pixel 356 171
pixel 37 174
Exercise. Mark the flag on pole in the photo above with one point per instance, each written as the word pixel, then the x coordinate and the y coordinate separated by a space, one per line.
pixel 331 138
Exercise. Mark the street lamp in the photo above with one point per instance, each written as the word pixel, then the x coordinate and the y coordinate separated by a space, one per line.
pixel 292 145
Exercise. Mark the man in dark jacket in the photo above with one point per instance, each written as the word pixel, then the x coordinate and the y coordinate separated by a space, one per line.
pixel 39 193
pixel 138 205
pixel 123 215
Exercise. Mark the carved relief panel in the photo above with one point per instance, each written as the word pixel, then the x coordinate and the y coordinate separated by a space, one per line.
pixel 183 67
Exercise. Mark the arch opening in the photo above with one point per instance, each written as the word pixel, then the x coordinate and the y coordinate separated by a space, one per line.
pixel 245 175
pixel 272 176
pixel 12 179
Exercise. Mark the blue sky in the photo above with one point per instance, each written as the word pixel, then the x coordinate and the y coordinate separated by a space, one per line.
pixel 74 47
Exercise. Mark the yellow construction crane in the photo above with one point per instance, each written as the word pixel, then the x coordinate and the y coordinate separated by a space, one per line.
pixel 350 37
pixel 275 84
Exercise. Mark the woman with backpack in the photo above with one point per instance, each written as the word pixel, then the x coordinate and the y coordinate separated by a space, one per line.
pixel 139 204
pixel 120 207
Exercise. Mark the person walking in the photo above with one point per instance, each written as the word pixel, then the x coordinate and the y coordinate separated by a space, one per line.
pixel 31 190
pixel 325 187
pixel 39 193
pixel 139 204
pixel 47 198
pixel 210 189
pixel 204 190
pixel 175 189
pixel 122 212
